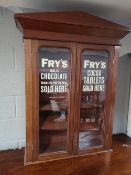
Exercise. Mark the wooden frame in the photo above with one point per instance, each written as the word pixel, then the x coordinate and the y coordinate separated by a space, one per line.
pixel 76 31
pixel 110 101
pixel 32 89
pixel 70 26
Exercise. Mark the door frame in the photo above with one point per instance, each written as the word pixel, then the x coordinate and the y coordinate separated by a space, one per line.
pixel 109 100
pixel 32 98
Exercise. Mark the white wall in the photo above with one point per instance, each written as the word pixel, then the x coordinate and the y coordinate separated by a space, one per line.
pixel 12 91
pixel 12 95
pixel 129 117
pixel 129 112
pixel 122 118
pixel 122 95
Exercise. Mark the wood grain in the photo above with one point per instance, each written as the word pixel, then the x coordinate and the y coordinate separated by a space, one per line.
pixel 117 162
pixel 74 31
pixel 70 26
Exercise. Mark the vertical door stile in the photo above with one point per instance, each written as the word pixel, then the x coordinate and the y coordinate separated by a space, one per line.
pixel 35 97
pixel 77 99
pixel 113 68
pixel 72 98
pixel 28 85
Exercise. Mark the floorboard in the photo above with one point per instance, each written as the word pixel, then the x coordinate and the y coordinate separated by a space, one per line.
pixel 117 162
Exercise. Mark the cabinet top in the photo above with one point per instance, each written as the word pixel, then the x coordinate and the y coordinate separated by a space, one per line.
pixel 71 22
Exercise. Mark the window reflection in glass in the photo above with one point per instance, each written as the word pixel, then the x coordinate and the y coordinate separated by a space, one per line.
pixel 53 96
pixel 93 92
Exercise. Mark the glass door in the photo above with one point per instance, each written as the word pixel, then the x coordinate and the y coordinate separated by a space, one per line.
pixel 68 101
pixel 55 98
pixel 93 62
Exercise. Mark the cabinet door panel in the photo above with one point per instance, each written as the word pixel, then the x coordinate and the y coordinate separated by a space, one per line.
pixel 93 95
pixel 54 81
pixel 50 99
pixel 69 99
pixel 91 123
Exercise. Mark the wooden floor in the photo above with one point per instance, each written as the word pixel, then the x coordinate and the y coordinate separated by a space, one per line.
pixel 117 162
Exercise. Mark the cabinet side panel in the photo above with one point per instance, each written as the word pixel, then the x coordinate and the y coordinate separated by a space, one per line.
pixel 113 79
pixel 28 83
pixel 35 98
pixel 55 106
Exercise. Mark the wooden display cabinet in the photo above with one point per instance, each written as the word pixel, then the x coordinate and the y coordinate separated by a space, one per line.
pixel 71 69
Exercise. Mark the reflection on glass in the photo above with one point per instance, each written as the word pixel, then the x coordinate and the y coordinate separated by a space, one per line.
pixel 53 96
pixel 93 91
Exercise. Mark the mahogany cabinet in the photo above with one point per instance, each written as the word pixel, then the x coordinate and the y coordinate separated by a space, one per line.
pixel 71 61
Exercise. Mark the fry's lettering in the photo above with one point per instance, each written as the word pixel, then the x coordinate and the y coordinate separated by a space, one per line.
pixel 94 64
pixel 54 63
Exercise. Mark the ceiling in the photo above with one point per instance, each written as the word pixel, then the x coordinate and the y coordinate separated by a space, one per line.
pixel 115 10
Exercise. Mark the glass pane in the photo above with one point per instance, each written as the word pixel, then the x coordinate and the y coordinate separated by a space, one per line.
pixel 54 97
pixel 93 92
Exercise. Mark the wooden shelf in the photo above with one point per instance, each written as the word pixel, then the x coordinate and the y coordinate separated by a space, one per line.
pixel 48 107
pixel 53 123
pixel 63 106
pixel 89 105
pixel 88 126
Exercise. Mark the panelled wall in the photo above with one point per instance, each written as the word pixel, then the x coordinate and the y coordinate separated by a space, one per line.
pixel 12 87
